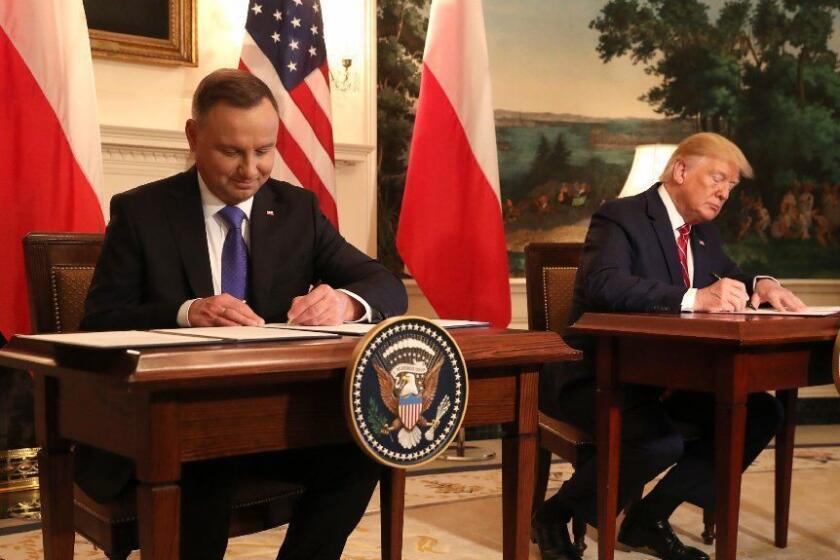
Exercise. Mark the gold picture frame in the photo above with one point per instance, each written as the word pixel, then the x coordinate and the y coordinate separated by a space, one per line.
pixel 178 49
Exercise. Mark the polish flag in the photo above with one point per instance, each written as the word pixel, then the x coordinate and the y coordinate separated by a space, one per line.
pixel 450 235
pixel 50 152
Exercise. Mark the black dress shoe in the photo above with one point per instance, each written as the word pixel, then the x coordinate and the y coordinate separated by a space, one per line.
pixel 657 538
pixel 553 539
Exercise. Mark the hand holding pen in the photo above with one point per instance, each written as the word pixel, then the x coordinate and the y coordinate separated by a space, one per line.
pixel 726 294
pixel 749 301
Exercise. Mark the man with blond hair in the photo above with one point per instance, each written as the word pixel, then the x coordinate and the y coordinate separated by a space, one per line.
pixel 657 252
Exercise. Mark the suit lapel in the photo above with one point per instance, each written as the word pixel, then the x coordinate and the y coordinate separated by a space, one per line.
pixel 267 244
pixel 664 233
pixel 186 217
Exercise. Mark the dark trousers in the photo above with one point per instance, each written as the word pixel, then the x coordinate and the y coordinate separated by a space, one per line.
pixel 339 482
pixel 651 442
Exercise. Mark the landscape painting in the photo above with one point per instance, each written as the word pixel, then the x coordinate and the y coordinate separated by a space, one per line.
pixel 578 85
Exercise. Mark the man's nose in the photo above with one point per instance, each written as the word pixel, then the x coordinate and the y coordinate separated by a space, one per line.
pixel 248 166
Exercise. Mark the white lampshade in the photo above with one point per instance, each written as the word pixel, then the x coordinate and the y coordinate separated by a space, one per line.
pixel 648 163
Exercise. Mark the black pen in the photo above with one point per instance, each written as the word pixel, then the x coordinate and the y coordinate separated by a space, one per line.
pixel 749 302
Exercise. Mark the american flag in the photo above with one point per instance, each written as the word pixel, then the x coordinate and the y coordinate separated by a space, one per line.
pixel 284 47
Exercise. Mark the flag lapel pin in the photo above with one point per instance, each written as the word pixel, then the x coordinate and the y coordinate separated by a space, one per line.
pixel 269 213
pixel 701 242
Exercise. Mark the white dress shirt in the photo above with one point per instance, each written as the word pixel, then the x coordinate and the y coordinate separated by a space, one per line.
pixel 677 222
pixel 216 229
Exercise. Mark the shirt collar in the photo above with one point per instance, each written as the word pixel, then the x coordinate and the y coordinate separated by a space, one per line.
pixel 673 214
pixel 211 203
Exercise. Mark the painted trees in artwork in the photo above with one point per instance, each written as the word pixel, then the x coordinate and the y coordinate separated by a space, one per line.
pixel 762 73
pixel 401 30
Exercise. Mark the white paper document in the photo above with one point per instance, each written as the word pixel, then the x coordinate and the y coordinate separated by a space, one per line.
pixel 459 324
pixel 350 329
pixel 813 311
pixel 120 339
pixel 247 334
pixel 360 329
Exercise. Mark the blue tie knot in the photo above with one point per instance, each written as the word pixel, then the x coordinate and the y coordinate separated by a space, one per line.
pixel 233 215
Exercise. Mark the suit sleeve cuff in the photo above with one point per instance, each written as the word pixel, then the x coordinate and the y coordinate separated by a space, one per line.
pixel 366 317
pixel 183 316
pixel 687 303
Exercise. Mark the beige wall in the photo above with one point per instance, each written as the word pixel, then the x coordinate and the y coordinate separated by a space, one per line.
pixel 142 108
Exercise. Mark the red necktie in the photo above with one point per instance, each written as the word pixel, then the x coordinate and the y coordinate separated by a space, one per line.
pixel 682 246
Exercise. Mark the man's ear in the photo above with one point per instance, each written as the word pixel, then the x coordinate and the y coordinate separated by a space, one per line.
pixel 191 131
pixel 679 171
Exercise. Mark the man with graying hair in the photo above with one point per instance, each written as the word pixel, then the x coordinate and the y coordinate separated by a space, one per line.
pixel 224 244
pixel 657 252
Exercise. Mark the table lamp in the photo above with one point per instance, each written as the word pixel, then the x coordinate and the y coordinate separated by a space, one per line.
pixel 648 163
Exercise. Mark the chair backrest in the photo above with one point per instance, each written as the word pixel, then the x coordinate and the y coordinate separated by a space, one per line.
pixel 550 270
pixel 59 268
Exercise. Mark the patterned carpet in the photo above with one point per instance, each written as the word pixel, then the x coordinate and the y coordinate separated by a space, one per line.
pixel 458 516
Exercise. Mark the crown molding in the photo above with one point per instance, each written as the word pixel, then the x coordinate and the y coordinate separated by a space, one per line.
pixel 149 138
pixel 124 144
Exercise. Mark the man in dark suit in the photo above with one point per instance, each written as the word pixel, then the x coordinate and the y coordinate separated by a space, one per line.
pixel 657 252
pixel 224 244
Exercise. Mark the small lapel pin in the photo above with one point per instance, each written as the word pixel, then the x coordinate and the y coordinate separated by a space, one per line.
pixel 269 212
pixel 701 242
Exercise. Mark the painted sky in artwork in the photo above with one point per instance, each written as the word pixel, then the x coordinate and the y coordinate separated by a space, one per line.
pixel 543 58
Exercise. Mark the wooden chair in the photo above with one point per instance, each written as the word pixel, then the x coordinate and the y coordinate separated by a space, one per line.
pixel 550 270
pixel 59 267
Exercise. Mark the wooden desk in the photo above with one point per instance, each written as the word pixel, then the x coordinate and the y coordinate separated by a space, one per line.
pixel 164 407
pixel 728 355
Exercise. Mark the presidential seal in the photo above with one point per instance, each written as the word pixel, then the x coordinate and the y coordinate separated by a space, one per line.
pixel 406 391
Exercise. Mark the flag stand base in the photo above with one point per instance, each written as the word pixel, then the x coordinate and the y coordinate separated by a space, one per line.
pixel 460 452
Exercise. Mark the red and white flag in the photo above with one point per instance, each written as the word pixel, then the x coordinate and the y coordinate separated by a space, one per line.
pixel 284 47
pixel 451 235
pixel 50 151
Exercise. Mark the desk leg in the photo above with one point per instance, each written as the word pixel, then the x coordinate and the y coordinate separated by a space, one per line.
pixel 609 457
pixel 519 453
pixel 158 512
pixel 392 498
pixel 518 458
pixel 784 464
pixel 729 461
pixel 55 473
pixel 609 401
pixel 56 488
pixel 158 490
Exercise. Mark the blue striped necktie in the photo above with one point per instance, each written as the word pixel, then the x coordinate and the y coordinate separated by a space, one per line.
pixel 234 254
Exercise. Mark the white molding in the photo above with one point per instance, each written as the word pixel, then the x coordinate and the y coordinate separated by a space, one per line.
pixel 815 291
pixel 151 146
pixel 419 305
pixel 818 392
pixel 128 136
pixel 352 154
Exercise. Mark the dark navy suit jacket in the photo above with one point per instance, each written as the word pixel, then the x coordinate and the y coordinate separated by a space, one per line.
pixel 155 257
pixel 630 264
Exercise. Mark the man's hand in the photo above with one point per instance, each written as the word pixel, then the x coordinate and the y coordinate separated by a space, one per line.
pixel 726 294
pixel 324 306
pixel 772 292
pixel 223 310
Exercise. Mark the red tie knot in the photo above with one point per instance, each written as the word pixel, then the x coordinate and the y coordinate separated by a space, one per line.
pixel 684 230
